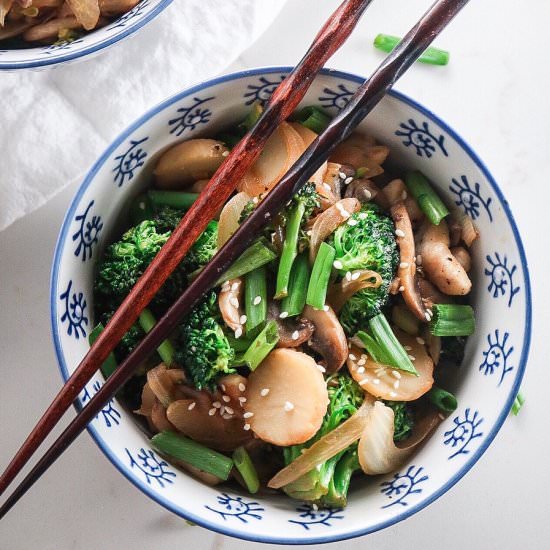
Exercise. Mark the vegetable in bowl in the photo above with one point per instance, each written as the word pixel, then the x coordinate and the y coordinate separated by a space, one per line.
pixel 297 353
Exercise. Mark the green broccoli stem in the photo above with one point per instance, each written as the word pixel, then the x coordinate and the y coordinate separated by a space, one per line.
pixel 428 200
pixel 290 247
pixel 141 209
pixel 320 276
pixel 110 364
pixel 175 199
pixel 255 298
pixel 261 346
pixel 384 346
pixel 245 466
pixel 166 350
pixel 193 453
pixel 294 303
pixel 442 399
pixel 340 482
pixel 517 404
pixel 314 118
pixel 256 255
pixel 431 56
pixel 452 320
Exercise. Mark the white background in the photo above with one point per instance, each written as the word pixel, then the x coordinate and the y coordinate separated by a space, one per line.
pixel 495 94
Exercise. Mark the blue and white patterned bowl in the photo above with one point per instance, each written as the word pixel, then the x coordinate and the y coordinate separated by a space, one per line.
pixel 90 44
pixel 495 355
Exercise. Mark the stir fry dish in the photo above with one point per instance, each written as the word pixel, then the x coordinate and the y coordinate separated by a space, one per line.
pixel 320 355
pixel 25 23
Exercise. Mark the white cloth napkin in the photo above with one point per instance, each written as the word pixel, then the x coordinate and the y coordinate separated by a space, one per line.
pixel 54 124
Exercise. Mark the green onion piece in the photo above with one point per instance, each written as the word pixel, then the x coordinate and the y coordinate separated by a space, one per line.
pixel 294 303
pixel 110 364
pixel 166 349
pixel 387 349
pixel 290 246
pixel 246 468
pixel 442 399
pixel 320 275
pixel 452 320
pixel 432 56
pixel 427 199
pixel 403 318
pixel 255 256
pixel 261 346
pixel 314 118
pixel 141 209
pixel 518 403
pixel 251 118
pixel 175 199
pixel 255 298
pixel 229 139
pixel 185 449
pixel 361 172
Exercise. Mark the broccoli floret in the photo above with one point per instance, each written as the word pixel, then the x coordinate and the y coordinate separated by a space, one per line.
pixel 403 421
pixel 166 218
pixel 369 244
pixel 327 485
pixel 129 341
pixel 201 345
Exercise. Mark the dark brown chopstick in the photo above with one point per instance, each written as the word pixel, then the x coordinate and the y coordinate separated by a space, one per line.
pixel 362 102
pixel 283 102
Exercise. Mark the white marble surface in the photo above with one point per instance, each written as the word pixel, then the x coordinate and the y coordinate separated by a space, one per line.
pixel 495 94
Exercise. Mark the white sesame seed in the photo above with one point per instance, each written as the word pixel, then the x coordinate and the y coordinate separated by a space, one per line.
pixel 430 312
pixel 295 335
pixel 321 368
pixel 233 301
pixel 242 400
pixel 191 406
pixel 344 212
pixel 226 398
pixel 248 415
pixel 242 387
pixel 348 275
pixel 399 232
pixel 355 276
pixel 420 340
pixel 193 348
pixel 229 410
pixel 337 264
pixel 361 370
pixel 341 175
pixel 288 406
pixel 325 308
pixel 257 300
pixel 348 180
pixel 401 288
pixel 419 259
pixel 242 319
pixel 396 374
pixel 309 232
pixel 225 154
pixel 246 427
pixel 327 186
pixel 393 394
pixel 283 314
pixel 408 348
pixel 396 384
pixel 361 361
pixel 314 507
pixel 376 381
pixel 222 386
pixel 363 215
pixel 352 357
pixel 234 287
pixel 264 392
pixel 212 412
pixel 364 381
pixel 238 332
pixel 225 287
pixel 404 195
pixel 216 404
pixel 404 265
pixel 441 416
pixel 427 315
pixel 412 357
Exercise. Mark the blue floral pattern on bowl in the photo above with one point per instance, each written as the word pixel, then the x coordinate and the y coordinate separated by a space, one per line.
pixel 109 414
pixel 503 295
pixel 421 138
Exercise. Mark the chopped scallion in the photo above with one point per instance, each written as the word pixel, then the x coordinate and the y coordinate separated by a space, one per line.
pixel 294 303
pixel 261 346
pixel 452 320
pixel 255 298
pixel 442 399
pixel 517 404
pixel 320 275
pixel 313 118
pixel 431 56
pixel 175 199
pixel 166 350
pixel 246 468
pixel 428 200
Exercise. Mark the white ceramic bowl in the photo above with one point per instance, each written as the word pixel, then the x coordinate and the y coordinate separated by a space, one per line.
pixel 495 356
pixel 90 44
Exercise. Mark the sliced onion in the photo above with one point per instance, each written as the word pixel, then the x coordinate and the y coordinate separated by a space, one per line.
pixel 469 233
pixel 387 382
pixel 377 452
pixel 158 418
pixel 229 302
pixel 328 221
pixel 340 293
pixel 148 399
pixel 5 7
pixel 86 11
pixel 358 157
pixel 163 383
pixel 229 217
pixel 308 136
pixel 281 151
pixel 328 446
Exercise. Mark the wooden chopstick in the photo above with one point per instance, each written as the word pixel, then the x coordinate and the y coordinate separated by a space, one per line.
pixel 363 101
pixel 283 102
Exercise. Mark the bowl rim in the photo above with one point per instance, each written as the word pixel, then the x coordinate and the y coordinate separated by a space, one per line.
pixel 242 533
pixel 70 56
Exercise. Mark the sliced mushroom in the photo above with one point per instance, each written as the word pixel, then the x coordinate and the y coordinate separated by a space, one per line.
pixel 294 331
pixel 158 418
pixel 286 398
pixel 430 294
pixel 189 161
pixel 329 338
pixel 407 264
pixel 148 399
pixel 230 395
pixel 395 191
pixel 230 304
pixel 164 383
pixel 363 189
pixel 438 263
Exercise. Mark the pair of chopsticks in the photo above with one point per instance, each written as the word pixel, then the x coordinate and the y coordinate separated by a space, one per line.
pixel 282 103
